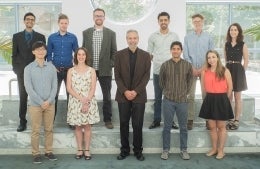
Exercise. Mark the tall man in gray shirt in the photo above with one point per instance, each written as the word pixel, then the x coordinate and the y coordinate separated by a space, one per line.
pixel 158 47
pixel 196 45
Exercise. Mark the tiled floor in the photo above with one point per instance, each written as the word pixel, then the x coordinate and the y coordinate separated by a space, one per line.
pixel 152 161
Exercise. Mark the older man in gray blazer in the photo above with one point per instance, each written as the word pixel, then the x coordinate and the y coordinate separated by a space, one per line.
pixel 101 45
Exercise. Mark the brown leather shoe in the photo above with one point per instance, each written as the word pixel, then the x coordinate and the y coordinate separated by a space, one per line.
pixel 190 124
pixel 109 125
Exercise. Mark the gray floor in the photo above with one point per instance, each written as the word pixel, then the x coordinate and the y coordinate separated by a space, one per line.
pixel 152 161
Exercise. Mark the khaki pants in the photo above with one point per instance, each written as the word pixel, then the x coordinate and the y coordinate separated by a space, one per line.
pixel 39 115
pixel 191 98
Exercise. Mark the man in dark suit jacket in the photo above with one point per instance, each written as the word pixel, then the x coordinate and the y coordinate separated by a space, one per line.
pixel 101 45
pixel 22 56
pixel 132 73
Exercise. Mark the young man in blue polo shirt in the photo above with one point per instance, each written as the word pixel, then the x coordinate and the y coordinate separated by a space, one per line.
pixel 61 46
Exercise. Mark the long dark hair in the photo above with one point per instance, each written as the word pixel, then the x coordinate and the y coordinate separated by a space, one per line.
pixel 240 36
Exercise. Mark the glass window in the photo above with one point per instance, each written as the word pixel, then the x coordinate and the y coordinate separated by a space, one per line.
pixel 7 20
pixel 11 19
pixel 215 20
pixel 125 12
pixel 218 17
pixel 248 16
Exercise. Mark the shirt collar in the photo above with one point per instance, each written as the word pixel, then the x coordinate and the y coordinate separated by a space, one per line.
pixel 35 64
pixel 58 33
pixel 130 52
pixel 98 29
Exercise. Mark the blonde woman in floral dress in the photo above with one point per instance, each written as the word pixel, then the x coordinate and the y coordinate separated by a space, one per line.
pixel 82 105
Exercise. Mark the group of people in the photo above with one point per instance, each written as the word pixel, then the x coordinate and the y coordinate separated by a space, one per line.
pixel 41 68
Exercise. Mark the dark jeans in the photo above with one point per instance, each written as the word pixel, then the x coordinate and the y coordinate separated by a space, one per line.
pixel 105 84
pixel 135 111
pixel 157 98
pixel 62 75
pixel 22 99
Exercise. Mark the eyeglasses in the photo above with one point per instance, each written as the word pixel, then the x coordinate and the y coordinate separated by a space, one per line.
pixel 99 16
pixel 197 21
pixel 40 49
pixel 29 19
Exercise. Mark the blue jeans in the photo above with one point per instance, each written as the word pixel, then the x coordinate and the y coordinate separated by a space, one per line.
pixel 157 98
pixel 169 108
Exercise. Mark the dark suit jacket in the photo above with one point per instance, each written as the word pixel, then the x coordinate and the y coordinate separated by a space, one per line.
pixel 108 49
pixel 141 75
pixel 22 53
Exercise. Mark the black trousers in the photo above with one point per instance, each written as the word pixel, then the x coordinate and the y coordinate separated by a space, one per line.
pixel 135 111
pixel 106 85
pixel 61 76
pixel 23 96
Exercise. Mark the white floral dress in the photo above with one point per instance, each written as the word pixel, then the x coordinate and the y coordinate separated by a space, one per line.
pixel 81 84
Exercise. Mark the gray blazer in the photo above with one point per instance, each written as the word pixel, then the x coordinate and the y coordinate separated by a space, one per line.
pixel 108 49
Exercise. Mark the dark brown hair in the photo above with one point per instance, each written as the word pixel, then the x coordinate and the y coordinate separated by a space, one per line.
pixel 99 9
pixel 163 14
pixel 29 14
pixel 75 60
pixel 38 44
pixel 240 36
pixel 176 43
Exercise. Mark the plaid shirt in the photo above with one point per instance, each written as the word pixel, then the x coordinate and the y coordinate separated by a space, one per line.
pixel 97 41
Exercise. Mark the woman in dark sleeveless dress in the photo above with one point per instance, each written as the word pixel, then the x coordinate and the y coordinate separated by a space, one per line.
pixel 235 52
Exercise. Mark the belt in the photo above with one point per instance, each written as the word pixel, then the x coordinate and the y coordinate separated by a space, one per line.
pixel 231 62
pixel 62 69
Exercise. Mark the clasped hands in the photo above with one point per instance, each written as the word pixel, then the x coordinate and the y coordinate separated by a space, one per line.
pixel 85 104
pixel 130 95
pixel 45 105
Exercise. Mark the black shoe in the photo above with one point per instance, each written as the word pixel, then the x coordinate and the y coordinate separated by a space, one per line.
pixel 37 159
pixel 122 156
pixel 174 125
pixel 21 128
pixel 72 127
pixel 50 156
pixel 154 125
pixel 139 157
